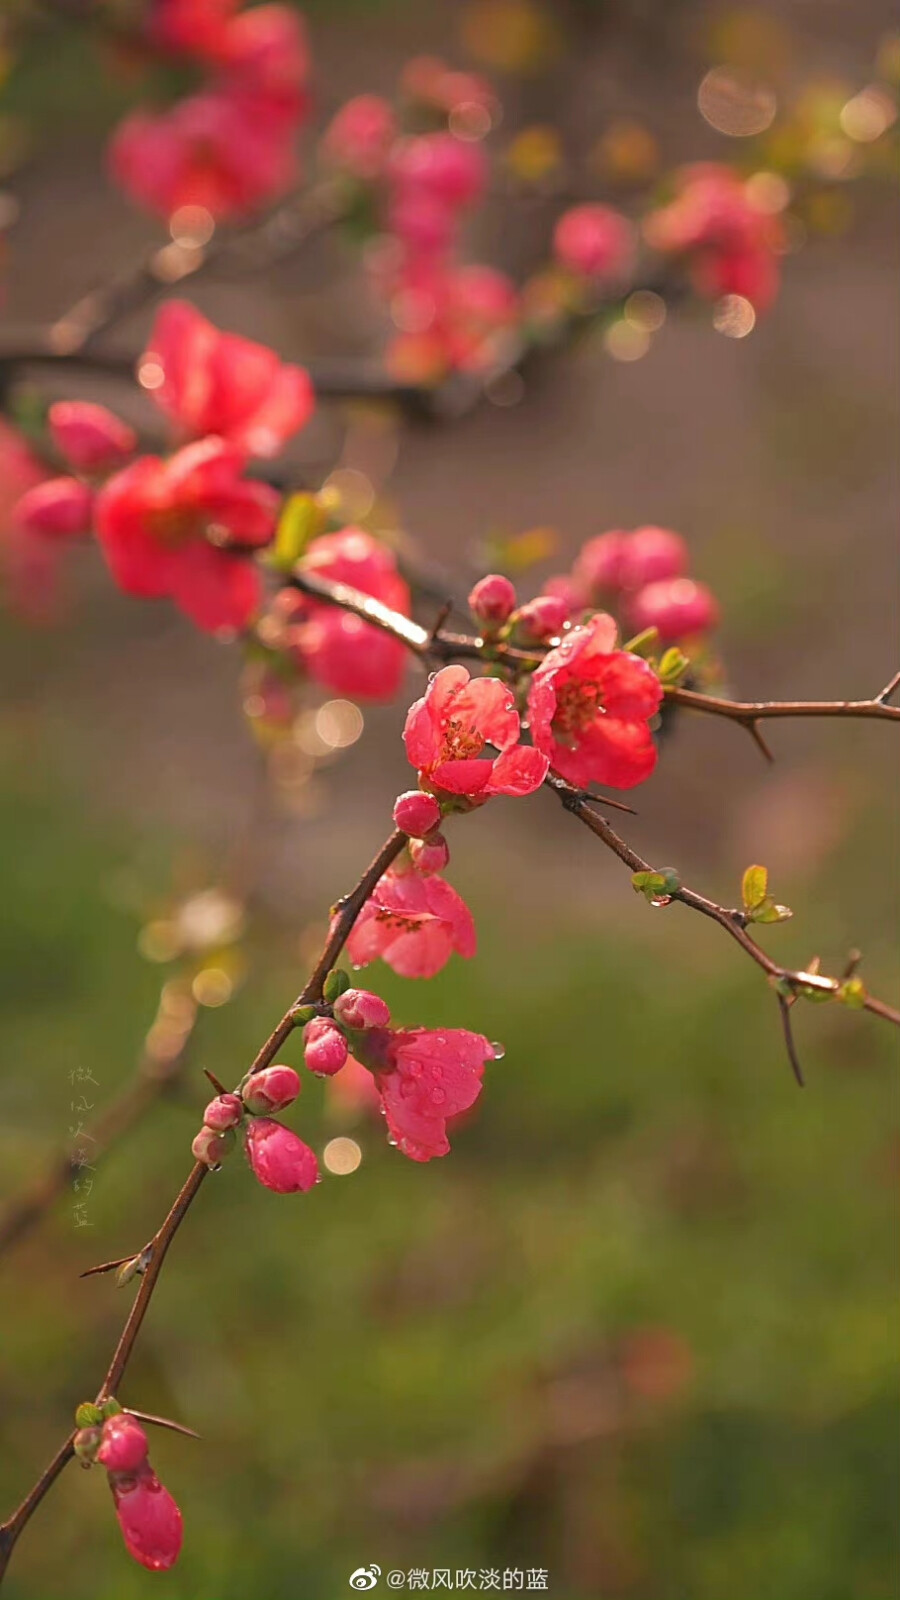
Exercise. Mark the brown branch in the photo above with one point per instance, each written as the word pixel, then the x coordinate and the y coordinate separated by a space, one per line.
pixel 343 917
pixel 749 712
pixel 158 1070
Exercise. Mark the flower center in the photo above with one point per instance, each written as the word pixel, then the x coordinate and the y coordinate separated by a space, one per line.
pixel 459 742
pixel 173 525
pixel 579 702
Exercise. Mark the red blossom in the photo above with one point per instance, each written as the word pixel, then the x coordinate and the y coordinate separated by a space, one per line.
pixel 123 1443
pixel 676 607
pixel 92 439
pixel 155 520
pixel 589 706
pixel 429 1077
pixel 148 1517
pixel 712 220
pixel 280 1160
pixel 448 730
pixel 594 242
pixel 337 649
pixel 414 923
pixel 221 383
pixel 359 137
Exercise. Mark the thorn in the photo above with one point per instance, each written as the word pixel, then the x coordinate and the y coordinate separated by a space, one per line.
pixel 854 957
pixel 785 1008
pixel 105 1266
pixel 889 688
pixel 755 732
pixel 440 619
pixel 219 1087
pixel 605 800
pixel 162 1422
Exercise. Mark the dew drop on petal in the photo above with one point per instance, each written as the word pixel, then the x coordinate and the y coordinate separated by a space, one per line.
pixel 438 1097
pixel 498 1049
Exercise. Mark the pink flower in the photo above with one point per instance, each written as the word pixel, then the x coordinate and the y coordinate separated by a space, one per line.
pixel 432 83
pixel 337 649
pixel 482 304
pixel 214 150
pixel 28 562
pixel 414 923
pixel 594 242
pixel 324 1047
pixel 677 607
pixel 225 1112
pixel 440 167
pixel 360 1009
pixel 589 706
pixel 123 1443
pixel 271 1089
pixel 493 600
pixel 279 1159
pixel 265 56
pixel 448 729
pixel 599 566
pixel 417 813
pixel 214 382
pixel 58 508
pixel 541 619
pixel 617 561
pixel 91 438
pixel 359 137
pixel 430 1076
pixel 148 1517
pixel 154 521
pixel 713 221
pixel 190 27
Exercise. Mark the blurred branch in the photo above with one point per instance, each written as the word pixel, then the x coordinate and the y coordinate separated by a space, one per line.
pixel 344 915
pixel 162 1062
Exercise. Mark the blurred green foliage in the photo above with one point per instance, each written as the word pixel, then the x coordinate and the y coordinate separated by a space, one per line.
pixel 640 1328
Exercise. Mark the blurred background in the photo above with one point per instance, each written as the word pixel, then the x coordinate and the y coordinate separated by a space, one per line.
pixel 640 1329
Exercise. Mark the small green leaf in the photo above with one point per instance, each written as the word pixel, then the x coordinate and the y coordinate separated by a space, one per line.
pixel 335 985
pixel 110 1407
pixel 754 887
pixel 654 886
pixel 673 665
pixel 853 993
pixel 88 1415
pixel 770 912
pixel 301 1015
pixel 643 644
pixel 301 520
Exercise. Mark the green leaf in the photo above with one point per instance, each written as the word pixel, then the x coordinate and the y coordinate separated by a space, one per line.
pixel 302 519
pixel 643 644
pixel 659 885
pixel 754 887
pixel 335 985
pixel 770 912
pixel 853 993
pixel 301 1015
pixel 88 1415
pixel 673 665
pixel 110 1407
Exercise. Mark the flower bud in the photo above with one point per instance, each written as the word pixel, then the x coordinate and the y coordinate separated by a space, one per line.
pixel 148 1517
pixel 417 813
pixel 359 1008
pixel 598 569
pixel 223 1113
pixel 123 1446
pixel 211 1147
pixel 279 1159
pixel 91 438
pixel 271 1089
pixel 492 600
pixel 324 1047
pixel 677 607
pixel 651 555
pixel 86 1444
pixel 58 508
pixel 429 855
pixel 541 619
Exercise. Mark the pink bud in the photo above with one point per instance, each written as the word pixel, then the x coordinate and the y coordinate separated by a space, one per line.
pixel 653 554
pixel 58 508
pixel 416 813
pixel 598 569
pixel 278 1158
pixel 223 1113
pixel 360 1008
pixel 211 1147
pixel 123 1445
pixel 492 600
pixel 324 1048
pixel 271 1089
pixel 429 855
pixel 541 619
pixel 149 1519
pixel 678 607
pixel 91 438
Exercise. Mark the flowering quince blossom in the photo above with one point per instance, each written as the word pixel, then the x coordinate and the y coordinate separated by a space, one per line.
pixel 589 706
pixel 447 731
pixel 214 382
pixel 190 27
pixel 92 439
pixel 154 520
pixel 148 1516
pixel 278 1158
pixel 425 1076
pixel 732 245
pixel 678 608
pixel 358 139
pixel 594 242
pixel 414 923
pixel 58 508
pixel 616 561
pixel 338 650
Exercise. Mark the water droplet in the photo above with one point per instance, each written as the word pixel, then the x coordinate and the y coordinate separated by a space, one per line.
pixel 438 1097
pixel 498 1049
pixel 392 1141
pixel 437 1072
pixel 661 900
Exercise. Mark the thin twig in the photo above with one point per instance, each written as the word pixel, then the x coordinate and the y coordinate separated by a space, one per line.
pixel 749 712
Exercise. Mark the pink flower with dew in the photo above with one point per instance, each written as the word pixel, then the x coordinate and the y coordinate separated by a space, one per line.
pixel 92 439
pixel 271 1089
pixel 280 1160
pixel 324 1047
pixel 211 382
pixel 590 705
pixel 224 1112
pixel 361 1009
pixel 148 1517
pixel 432 1075
pixel 448 731
pixel 414 924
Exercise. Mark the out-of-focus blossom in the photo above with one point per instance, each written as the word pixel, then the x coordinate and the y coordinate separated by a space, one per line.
pixel 337 649
pixel 595 242
pixel 678 608
pixel 589 707
pixel 157 521
pixel 713 220
pixel 58 508
pixel 92 439
pixel 210 382
pixel 358 139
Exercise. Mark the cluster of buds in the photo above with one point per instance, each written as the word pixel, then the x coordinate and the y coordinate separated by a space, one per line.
pixel 495 607
pixel 277 1157
pixel 148 1516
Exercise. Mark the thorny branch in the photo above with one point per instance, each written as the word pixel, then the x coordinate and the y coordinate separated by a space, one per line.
pixel 154 1252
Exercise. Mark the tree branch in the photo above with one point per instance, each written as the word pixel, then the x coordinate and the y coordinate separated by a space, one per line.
pixel 343 917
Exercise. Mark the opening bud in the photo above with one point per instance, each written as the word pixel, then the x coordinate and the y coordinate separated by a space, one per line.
pixel 223 1113
pixel 270 1090
pixel 493 600
pixel 324 1047
pixel 429 855
pixel 359 1009
pixel 212 1148
pixel 123 1446
pixel 541 619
